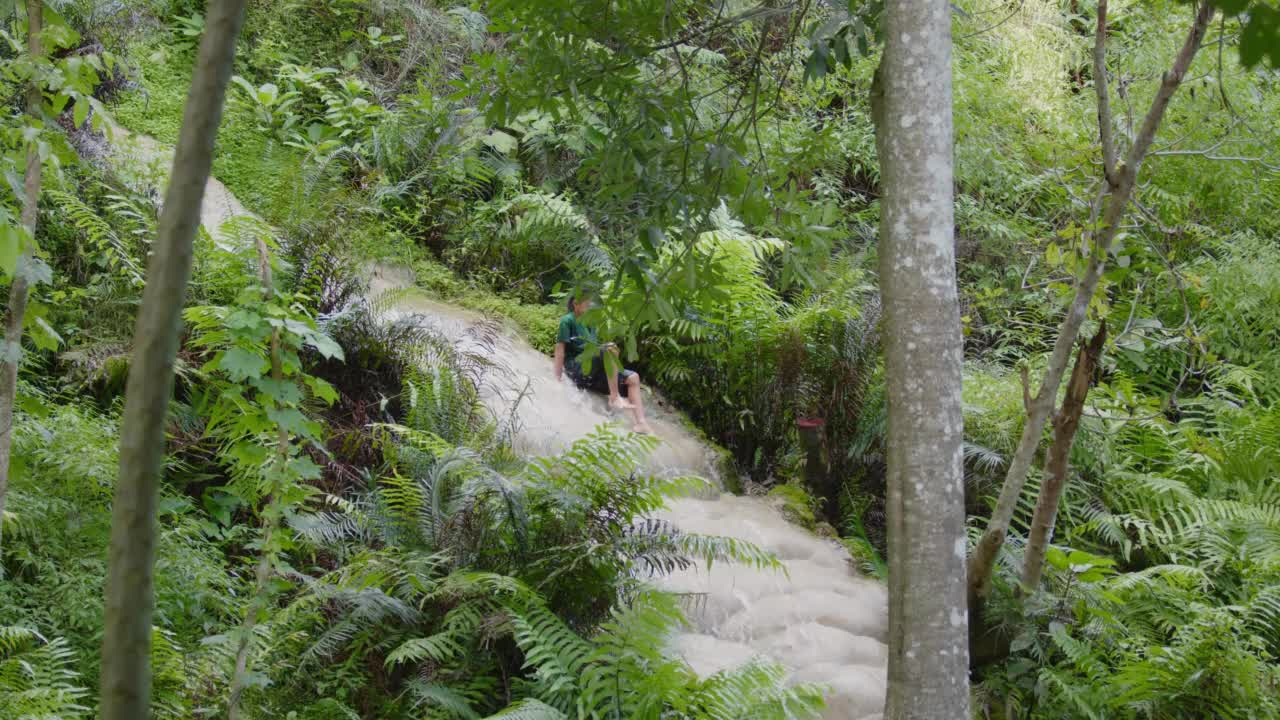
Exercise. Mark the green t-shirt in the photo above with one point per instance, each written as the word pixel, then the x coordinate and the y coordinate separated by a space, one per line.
pixel 575 337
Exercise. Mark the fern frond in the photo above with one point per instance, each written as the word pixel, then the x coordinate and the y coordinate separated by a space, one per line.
pixel 439 648
pixel 1184 575
pixel 37 677
pixel 758 691
pixel 113 253
pixel 441 696
pixel 1262 615
pixel 529 709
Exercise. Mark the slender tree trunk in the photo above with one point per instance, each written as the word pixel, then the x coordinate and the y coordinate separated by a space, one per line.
pixel 262 574
pixel 1118 189
pixel 1065 424
pixel 19 290
pixel 928 622
pixel 126 646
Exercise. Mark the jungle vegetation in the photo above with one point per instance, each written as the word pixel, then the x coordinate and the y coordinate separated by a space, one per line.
pixel 345 532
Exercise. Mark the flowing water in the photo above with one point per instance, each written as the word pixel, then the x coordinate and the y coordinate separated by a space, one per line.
pixel 819 619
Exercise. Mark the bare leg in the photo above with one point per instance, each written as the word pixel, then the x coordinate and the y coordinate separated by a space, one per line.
pixel 637 402
pixel 616 402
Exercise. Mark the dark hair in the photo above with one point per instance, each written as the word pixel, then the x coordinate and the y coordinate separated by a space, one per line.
pixel 576 296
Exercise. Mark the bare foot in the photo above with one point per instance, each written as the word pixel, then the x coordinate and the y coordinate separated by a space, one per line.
pixel 619 404
pixel 643 428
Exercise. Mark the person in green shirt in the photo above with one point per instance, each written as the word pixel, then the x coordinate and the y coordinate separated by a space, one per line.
pixel 573 341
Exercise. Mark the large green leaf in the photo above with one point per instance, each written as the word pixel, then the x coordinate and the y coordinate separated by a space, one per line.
pixel 241 364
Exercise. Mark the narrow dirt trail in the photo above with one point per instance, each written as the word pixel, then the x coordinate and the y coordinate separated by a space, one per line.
pixel 820 620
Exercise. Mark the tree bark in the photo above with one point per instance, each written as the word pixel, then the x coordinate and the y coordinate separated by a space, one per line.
pixel 1065 424
pixel 126 646
pixel 1119 184
pixel 19 290
pixel 928 622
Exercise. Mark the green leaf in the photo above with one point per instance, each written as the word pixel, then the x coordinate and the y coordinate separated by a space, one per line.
pixel 292 421
pixel 241 364
pixel 1056 558
pixel 267 94
pixel 1260 37
pixel 326 346
pixel 1053 255
pixel 35 270
pixel 1023 641
pixel 841 47
pixel 304 468
pixel 80 112
pixel 285 392
pixel 10 248
pixel 1231 7
pixel 44 336
pixel 322 390
pixel 242 319
pixel 815 68
pixel 501 142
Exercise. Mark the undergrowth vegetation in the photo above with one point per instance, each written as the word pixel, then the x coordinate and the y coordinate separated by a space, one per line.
pixel 393 557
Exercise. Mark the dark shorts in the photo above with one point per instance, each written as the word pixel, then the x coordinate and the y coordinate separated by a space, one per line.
pixel 596 380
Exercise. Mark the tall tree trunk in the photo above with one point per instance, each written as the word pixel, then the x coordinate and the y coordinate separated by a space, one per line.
pixel 1065 424
pixel 1117 190
pixel 19 290
pixel 928 622
pixel 126 646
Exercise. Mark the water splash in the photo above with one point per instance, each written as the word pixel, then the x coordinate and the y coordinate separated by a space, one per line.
pixel 820 620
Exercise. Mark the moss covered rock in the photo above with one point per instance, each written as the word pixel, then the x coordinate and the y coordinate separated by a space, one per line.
pixel 796 504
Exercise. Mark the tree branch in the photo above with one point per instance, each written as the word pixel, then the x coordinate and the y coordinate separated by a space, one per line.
pixel 1208 154
pixel 126 644
pixel 1104 99
pixel 982 563
pixel 1168 86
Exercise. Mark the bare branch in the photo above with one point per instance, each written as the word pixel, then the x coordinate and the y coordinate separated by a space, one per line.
pixel 1208 154
pixel 1104 100
pixel 1168 85
pixel 1123 182
pixel 1017 9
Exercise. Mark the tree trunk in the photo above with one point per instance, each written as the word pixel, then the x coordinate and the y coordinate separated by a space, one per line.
pixel 928 636
pixel 19 290
pixel 126 646
pixel 1065 424
pixel 1118 188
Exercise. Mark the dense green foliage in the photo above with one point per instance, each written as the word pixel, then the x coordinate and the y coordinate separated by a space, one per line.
pixel 694 166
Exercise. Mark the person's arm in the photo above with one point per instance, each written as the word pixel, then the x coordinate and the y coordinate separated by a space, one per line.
pixel 559 361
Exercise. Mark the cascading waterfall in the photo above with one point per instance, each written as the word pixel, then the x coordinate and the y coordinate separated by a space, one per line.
pixel 819 619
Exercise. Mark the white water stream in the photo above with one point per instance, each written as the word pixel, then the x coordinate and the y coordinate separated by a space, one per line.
pixel 820 620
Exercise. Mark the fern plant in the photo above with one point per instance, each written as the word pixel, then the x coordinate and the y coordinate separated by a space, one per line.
pixel 529 241
pixel 110 251
pixel 626 671
pixel 37 679
pixel 468 555
pixel 1188 508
